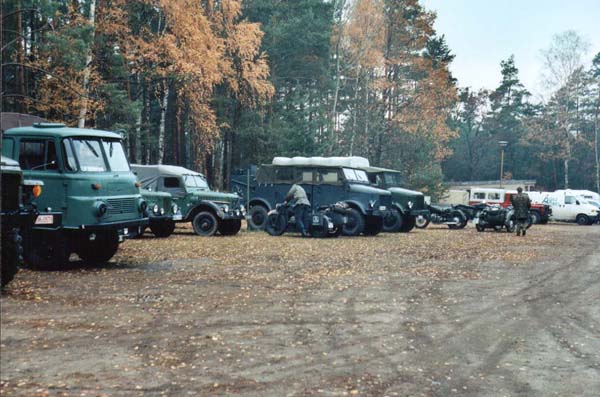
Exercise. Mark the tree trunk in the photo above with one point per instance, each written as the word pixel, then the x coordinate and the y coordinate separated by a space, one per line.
pixel 88 69
pixel 161 128
pixel 353 133
pixel 20 59
pixel 336 91
pixel 596 143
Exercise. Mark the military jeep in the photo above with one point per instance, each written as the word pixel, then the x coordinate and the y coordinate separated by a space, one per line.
pixel 326 181
pixel 92 200
pixel 407 205
pixel 162 212
pixel 208 211
pixel 15 216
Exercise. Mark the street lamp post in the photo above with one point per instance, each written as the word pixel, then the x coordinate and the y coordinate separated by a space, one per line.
pixel 503 144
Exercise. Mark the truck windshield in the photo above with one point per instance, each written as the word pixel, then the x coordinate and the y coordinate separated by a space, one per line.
pixel 89 154
pixel 392 179
pixel 355 175
pixel 115 155
pixel 195 181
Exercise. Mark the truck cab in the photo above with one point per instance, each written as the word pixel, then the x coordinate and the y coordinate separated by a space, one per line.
pixel 407 204
pixel 569 207
pixel 326 181
pixel 91 196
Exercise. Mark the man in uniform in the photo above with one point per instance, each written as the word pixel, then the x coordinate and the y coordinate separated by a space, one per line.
pixel 521 204
pixel 301 206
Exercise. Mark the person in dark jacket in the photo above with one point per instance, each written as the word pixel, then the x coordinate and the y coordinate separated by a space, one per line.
pixel 521 204
pixel 297 196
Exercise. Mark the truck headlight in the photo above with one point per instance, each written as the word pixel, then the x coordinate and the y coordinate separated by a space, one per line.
pixel 155 208
pixel 225 208
pixel 162 211
pixel 174 208
pixel 101 208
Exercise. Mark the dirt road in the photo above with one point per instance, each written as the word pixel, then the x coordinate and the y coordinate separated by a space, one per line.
pixel 433 312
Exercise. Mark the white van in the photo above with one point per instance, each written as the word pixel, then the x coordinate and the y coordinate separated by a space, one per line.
pixel 569 207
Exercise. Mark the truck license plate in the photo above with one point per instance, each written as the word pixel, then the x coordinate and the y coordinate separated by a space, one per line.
pixel 44 220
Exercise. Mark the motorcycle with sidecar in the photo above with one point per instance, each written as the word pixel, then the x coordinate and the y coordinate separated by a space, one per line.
pixel 440 215
pixel 325 221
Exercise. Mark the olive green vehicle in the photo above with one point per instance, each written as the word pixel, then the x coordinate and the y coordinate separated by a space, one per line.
pixel 91 197
pixel 162 212
pixel 208 211
pixel 407 205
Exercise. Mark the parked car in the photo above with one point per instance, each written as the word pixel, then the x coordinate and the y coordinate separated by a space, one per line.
pixel 91 198
pixel 326 181
pixel 407 204
pixel 162 213
pixel 539 212
pixel 568 207
pixel 208 211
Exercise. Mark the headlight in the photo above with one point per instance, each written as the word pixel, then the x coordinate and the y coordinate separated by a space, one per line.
pixel 101 208
pixel 155 208
pixel 243 210
pixel 175 208
pixel 225 208
pixel 162 211
pixel 410 204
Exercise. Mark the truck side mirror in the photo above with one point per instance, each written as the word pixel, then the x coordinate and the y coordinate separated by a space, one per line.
pixel 577 202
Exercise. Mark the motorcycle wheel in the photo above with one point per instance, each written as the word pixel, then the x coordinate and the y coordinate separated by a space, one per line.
pixel 336 232
pixel 461 221
pixel 479 228
pixel 275 224
pixel 422 222
pixel 510 226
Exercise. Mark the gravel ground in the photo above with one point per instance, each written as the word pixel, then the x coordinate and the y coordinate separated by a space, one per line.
pixel 433 312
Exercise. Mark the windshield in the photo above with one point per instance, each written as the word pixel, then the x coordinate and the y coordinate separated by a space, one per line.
pixel 89 154
pixel 195 181
pixel 392 179
pixel 115 155
pixel 356 175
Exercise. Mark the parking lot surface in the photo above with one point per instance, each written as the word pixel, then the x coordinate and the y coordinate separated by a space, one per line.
pixel 434 312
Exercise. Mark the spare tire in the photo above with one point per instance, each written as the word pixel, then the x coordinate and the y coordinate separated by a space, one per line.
pixel 258 217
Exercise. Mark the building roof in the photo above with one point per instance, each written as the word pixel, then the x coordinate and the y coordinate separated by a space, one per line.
pixel 60 130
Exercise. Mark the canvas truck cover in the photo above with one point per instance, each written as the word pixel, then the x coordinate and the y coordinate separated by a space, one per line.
pixel 350 162
pixel 149 174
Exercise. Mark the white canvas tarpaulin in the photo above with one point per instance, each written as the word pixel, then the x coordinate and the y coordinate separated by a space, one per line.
pixel 351 162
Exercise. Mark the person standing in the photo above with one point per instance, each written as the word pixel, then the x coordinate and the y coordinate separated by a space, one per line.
pixel 297 196
pixel 521 204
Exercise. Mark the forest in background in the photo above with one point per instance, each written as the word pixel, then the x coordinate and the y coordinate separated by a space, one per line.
pixel 216 85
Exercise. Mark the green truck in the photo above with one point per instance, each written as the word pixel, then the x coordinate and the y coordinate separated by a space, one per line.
pixel 91 198
pixel 162 212
pixel 208 211
pixel 407 205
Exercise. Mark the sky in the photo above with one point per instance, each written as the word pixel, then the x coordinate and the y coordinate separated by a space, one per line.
pixel 481 33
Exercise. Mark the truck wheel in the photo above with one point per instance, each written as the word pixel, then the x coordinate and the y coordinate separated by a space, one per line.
pixel 99 250
pixel 205 224
pixel 258 217
pixel 11 255
pixel 355 224
pixel 582 219
pixel 534 217
pixel 421 222
pixel 392 221
pixel 162 229
pixel 373 228
pixel 408 223
pixel 231 227
pixel 47 251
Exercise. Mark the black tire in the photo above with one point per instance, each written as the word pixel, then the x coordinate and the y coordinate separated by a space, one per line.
pixel 322 231
pixel 392 221
pixel 535 217
pixel 479 228
pixel 46 250
pixel 582 219
pixel 355 224
pixel 100 250
pixel 511 226
pixel 461 220
pixel 230 227
pixel 258 217
pixel 421 222
pixel 205 224
pixel 336 232
pixel 275 224
pixel 12 251
pixel 373 229
pixel 408 223
pixel 162 229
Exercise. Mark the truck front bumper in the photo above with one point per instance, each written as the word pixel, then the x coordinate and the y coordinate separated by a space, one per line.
pixel 125 229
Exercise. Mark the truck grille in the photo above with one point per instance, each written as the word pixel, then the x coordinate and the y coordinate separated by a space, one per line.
pixel 121 206
pixel 385 200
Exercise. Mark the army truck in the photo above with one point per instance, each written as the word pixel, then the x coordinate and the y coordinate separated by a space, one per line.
pixel 162 212
pixel 208 211
pixel 326 181
pixel 407 205
pixel 92 199
pixel 16 216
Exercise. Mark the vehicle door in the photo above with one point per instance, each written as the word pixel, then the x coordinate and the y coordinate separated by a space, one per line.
pixel 174 186
pixel 328 188
pixel 39 160
pixel 570 208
